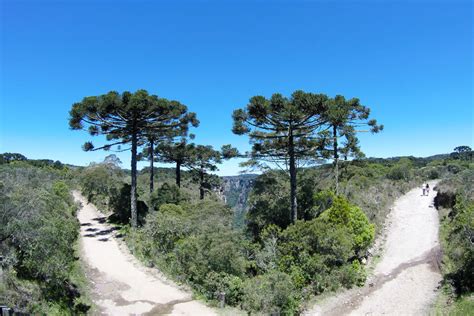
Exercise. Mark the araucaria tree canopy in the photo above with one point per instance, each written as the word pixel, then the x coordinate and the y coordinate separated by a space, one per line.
pixel 343 118
pixel 297 131
pixel 129 119
pixel 284 131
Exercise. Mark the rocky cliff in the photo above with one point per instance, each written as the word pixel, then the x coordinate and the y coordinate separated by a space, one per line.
pixel 235 191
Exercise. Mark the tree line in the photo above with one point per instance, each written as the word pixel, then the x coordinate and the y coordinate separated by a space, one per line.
pixel 287 132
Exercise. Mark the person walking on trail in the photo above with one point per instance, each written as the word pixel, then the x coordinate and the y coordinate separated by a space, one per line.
pixel 427 189
pixel 423 188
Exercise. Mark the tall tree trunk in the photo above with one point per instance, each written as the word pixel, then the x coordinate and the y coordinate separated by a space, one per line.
pixel 336 157
pixel 133 193
pixel 151 157
pixel 178 174
pixel 201 186
pixel 294 203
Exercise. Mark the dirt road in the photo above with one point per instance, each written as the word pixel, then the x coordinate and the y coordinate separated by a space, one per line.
pixel 406 279
pixel 121 285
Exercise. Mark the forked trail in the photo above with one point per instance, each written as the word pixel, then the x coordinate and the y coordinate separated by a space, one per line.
pixel 407 277
pixel 121 285
pixel 404 281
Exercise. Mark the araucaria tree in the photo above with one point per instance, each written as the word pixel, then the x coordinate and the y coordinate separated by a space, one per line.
pixel 462 152
pixel 204 159
pixel 126 119
pixel 284 131
pixel 165 135
pixel 178 152
pixel 343 118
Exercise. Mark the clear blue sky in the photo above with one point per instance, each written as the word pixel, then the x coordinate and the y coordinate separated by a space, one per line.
pixel 410 61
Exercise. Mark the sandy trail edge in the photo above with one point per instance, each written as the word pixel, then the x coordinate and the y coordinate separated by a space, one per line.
pixel 121 285
pixel 405 281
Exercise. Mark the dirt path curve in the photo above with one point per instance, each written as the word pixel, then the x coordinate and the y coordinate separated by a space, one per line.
pixel 407 277
pixel 122 286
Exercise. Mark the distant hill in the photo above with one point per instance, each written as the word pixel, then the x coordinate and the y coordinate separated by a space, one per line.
pixel 413 158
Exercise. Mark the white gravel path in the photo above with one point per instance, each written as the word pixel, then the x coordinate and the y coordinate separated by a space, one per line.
pixel 405 281
pixel 122 286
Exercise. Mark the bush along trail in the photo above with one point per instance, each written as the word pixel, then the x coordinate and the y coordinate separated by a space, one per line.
pixel 121 285
pixel 406 279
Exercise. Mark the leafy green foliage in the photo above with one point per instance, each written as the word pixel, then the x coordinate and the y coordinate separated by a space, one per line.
pixel 322 201
pixel 461 249
pixel 197 238
pixel 37 229
pixel 455 203
pixel 269 202
pixel 401 170
pixel 100 182
pixel 299 131
pixel 231 286
pixel 120 206
pixel 334 241
pixel 271 123
pixel 167 194
pixel 457 196
pixel 271 293
pixel 354 220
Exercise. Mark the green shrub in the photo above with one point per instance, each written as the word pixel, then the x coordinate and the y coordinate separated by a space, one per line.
pixel 271 293
pixel 456 198
pixel 399 172
pixel 167 194
pixel 218 251
pixel 305 239
pixel 266 256
pixel 38 228
pixel 165 228
pixel 454 168
pixel 460 246
pixel 342 213
pixel 195 243
pixel 353 274
pixel 322 201
pixel 223 283
pixel 101 184
pixel 432 173
pixel 269 202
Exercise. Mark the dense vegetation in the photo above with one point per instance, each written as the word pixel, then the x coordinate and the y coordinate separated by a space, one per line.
pixel 455 202
pixel 39 271
pixel 269 264
pixel 195 242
